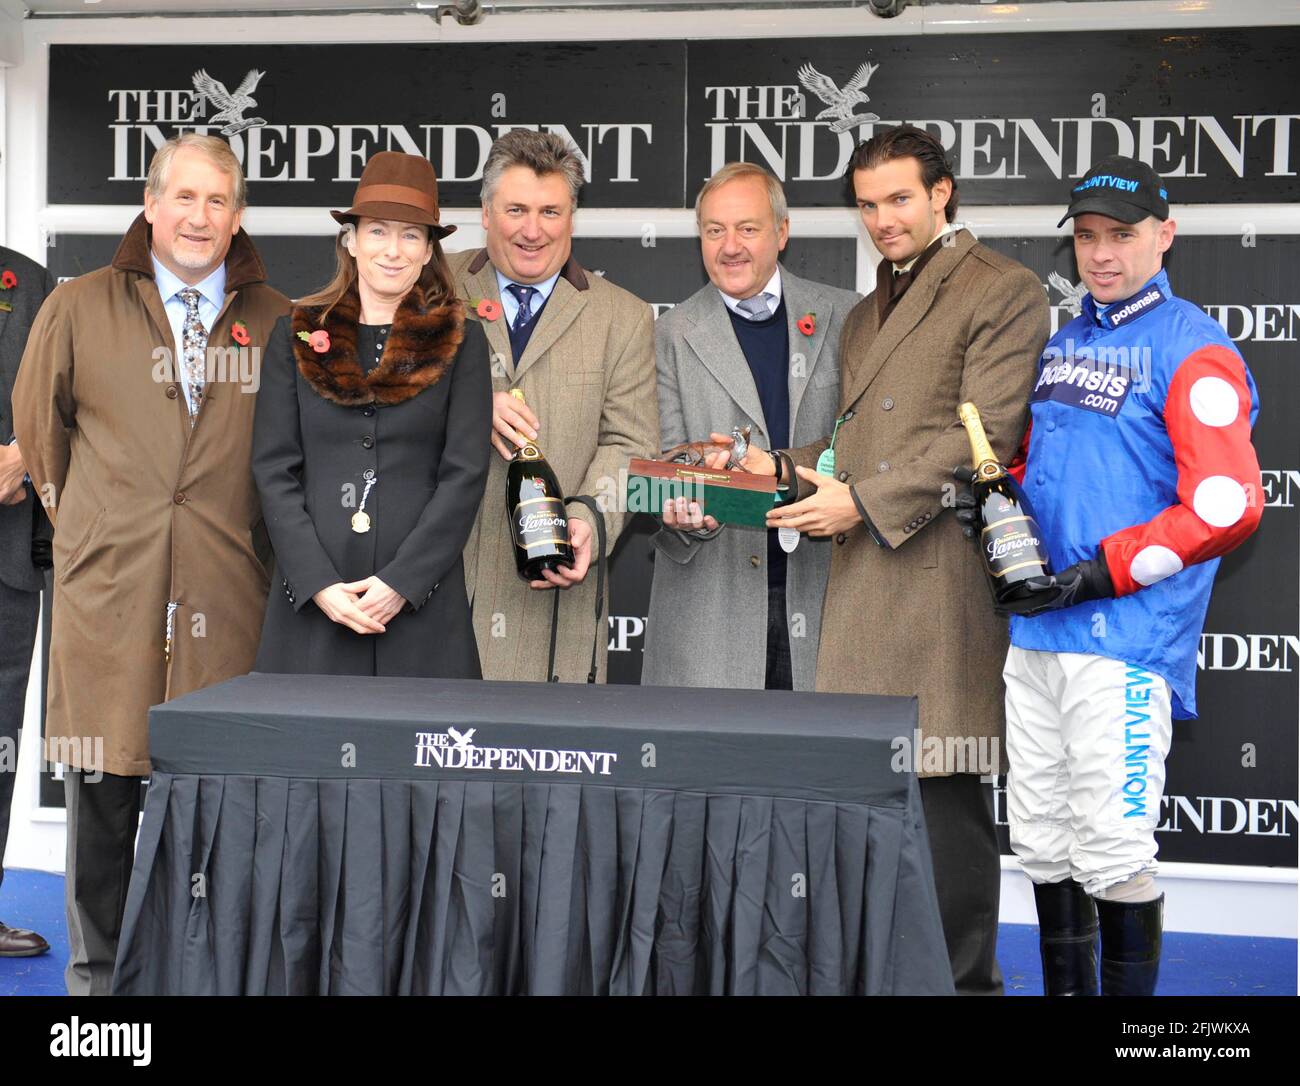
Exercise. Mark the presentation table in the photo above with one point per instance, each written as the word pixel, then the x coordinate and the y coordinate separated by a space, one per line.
pixel 341 835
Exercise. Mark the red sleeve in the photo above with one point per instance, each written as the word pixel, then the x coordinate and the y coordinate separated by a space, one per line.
pixel 1016 469
pixel 1207 415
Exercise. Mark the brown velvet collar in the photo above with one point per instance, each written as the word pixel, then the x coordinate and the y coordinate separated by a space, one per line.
pixel 421 345
pixel 243 265
pixel 572 270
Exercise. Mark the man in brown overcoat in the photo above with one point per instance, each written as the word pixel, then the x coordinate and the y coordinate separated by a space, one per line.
pixel 134 411
pixel 582 351
pixel 907 610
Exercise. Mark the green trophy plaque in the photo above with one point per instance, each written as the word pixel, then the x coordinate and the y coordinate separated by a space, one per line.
pixel 730 497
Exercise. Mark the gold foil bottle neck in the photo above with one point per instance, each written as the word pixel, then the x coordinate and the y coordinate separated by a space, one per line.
pixel 531 451
pixel 982 457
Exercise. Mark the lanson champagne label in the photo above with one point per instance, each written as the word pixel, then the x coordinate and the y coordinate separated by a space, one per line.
pixel 540 522
pixel 1012 543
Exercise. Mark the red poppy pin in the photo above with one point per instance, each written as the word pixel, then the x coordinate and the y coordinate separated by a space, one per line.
pixel 8 280
pixel 807 324
pixel 239 333
pixel 487 308
pixel 318 341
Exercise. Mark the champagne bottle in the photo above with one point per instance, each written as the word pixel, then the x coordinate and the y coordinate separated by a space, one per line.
pixel 535 506
pixel 1011 542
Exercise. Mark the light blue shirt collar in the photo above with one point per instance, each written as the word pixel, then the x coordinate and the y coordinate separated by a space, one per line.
pixel 212 289
pixel 510 304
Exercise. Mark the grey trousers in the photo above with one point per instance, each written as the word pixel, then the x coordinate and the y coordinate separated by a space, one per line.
pixel 18 614
pixel 967 877
pixel 102 819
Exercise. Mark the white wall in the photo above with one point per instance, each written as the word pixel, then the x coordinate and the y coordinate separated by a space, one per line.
pixel 1238 901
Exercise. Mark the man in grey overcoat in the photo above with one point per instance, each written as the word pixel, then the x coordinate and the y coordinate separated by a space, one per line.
pixel 757 347
pixel 24 285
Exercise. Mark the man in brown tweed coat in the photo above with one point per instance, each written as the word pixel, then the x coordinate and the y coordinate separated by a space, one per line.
pixel 907 611
pixel 582 351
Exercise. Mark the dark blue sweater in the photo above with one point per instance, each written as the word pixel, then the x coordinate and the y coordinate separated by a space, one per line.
pixel 766 347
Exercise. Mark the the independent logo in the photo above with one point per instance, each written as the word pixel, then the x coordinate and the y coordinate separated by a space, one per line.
pixel 841 101
pixel 230 107
pixel 1072 294
pixel 454 749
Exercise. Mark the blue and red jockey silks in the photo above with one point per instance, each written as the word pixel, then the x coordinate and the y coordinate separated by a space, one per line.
pixel 1139 449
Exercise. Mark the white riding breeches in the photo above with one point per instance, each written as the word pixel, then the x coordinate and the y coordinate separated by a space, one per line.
pixel 1087 738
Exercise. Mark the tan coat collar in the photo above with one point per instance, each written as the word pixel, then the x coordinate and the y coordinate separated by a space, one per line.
pixel 243 264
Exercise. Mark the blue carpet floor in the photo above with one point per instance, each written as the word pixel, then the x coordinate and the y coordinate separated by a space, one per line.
pixel 34 899
pixel 1217 965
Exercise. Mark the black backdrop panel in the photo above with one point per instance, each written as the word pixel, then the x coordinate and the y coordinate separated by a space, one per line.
pixel 1018 112
pixel 1214 110
pixel 325 108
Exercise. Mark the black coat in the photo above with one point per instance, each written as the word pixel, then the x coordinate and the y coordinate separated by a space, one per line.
pixel 25 297
pixel 421 423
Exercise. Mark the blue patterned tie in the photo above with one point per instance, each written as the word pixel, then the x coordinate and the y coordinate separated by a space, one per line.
pixel 524 296
pixel 194 346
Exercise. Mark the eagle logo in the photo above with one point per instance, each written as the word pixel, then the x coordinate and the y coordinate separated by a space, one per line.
pixel 463 742
pixel 230 107
pixel 1071 293
pixel 840 101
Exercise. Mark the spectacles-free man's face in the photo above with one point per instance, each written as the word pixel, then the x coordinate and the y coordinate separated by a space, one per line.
pixel 529 225
pixel 739 238
pixel 901 217
pixel 195 218
pixel 1116 258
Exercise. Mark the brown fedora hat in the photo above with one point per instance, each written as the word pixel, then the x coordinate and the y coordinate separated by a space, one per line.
pixel 398 187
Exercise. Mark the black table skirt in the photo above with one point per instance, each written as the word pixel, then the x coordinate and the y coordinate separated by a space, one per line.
pixel 268 885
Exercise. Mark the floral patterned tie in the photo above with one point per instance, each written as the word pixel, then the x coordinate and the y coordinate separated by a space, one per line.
pixel 194 346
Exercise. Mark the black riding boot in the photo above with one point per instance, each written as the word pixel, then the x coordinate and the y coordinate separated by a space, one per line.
pixel 1067 937
pixel 1130 946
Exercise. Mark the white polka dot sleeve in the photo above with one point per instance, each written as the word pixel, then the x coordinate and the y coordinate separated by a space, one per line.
pixel 1207 415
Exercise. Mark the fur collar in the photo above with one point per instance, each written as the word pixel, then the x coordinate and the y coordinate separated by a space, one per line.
pixel 421 345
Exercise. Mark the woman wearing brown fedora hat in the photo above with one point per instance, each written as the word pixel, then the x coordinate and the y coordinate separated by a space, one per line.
pixel 370 447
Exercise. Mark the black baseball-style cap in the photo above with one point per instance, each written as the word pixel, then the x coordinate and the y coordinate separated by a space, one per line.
pixel 1119 188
